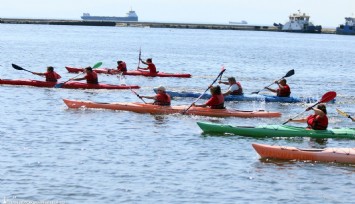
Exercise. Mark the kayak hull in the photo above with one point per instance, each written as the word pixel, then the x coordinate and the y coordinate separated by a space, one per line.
pixel 155 109
pixel 246 97
pixel 131 72
pixel 67 85
pixel 276 131
pixel 341 155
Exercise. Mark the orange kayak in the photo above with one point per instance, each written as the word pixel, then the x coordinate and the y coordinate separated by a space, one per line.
pixel 341 155
pixel 155 109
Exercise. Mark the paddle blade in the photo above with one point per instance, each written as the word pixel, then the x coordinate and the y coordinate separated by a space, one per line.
pixel 328 97
pixel 97 65
pixel 290 73
pixel 17 67
pixel 343 113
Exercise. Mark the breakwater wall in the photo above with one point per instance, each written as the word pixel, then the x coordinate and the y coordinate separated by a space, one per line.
pixel 147 24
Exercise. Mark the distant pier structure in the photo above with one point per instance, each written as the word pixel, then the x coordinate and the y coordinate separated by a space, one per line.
pixel 248 27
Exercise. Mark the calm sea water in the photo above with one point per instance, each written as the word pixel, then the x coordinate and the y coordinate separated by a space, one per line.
pixel 51 153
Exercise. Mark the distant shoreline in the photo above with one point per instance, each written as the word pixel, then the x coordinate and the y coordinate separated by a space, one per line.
pixel 150 24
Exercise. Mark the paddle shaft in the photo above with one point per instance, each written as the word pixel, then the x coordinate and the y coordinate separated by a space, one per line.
pixel 137 95
pixel 220 74
pixel 344 114
pixel 139 58
pixel 289 73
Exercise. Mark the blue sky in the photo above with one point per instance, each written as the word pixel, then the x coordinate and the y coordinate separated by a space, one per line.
pixel 329 13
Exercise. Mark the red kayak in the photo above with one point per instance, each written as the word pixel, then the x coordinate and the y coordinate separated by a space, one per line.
pixel 132 72
pixel 68 85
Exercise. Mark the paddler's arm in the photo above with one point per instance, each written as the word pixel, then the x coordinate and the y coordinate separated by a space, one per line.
pixel 149 97
pixel 37 73
pixel 223 82
pixel 302 120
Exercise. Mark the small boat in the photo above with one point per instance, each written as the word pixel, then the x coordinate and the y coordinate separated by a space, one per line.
pixel 67 85
pixel 246 97
pixel 163 110
pixel 131 72
pixel 299 22
pixel 348 28
pixel 131 16
pixel 238 23
pixel 276 131
pixel 340 155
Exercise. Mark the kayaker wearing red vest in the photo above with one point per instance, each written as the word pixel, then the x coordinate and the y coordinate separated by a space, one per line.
pixel 90 77
pixel 283 90
pixel 216 101
pixel 161 98
pixel 317 121
pixel 235 88
pixel 151 67
pixel 121 67
pixel 51 75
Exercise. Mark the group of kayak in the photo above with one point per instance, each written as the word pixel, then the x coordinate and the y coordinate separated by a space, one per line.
pixel 317 123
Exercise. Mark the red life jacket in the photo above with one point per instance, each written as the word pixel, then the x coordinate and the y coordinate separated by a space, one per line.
pixel 152 68
pixel 239 91
pixel 317 123
pixel 91 78
pixel 122 67
pixel 285 92
pixel 52 76
pixel 162 99
pixel 216 102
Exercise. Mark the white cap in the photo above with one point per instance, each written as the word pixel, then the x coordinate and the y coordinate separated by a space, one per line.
pixel 161 88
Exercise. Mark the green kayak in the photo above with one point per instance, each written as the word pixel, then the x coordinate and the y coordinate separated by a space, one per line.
pixel 276 131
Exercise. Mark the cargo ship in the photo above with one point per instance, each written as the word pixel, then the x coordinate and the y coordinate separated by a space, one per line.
pixel 348 28
pixel 299 22
pixel 131 16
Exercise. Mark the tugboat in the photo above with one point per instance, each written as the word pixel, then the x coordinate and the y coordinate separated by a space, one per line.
pixel 348 28
pixel 131 16
pixel 299 22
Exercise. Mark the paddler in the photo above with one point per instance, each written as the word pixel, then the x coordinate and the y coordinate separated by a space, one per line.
pixel 283 90
pixel 216 101
pixel 161 98
pixel 51 75
pixel 151 66
pixel 121 67
pixel 317 121
pixel 235 88
pixel 90 77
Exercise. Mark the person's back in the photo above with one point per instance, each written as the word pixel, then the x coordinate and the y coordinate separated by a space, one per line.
pixel 319 120
pixel 217 99
pixel 121 66
pixel 152 68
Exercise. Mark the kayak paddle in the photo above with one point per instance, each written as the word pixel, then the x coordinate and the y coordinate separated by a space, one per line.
pixel 97 65
pixel 139 57
pixel 137 95
pixel 20 68
pixel 289 73
pixel 325 98
pixel 220 74
pixel 345 114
